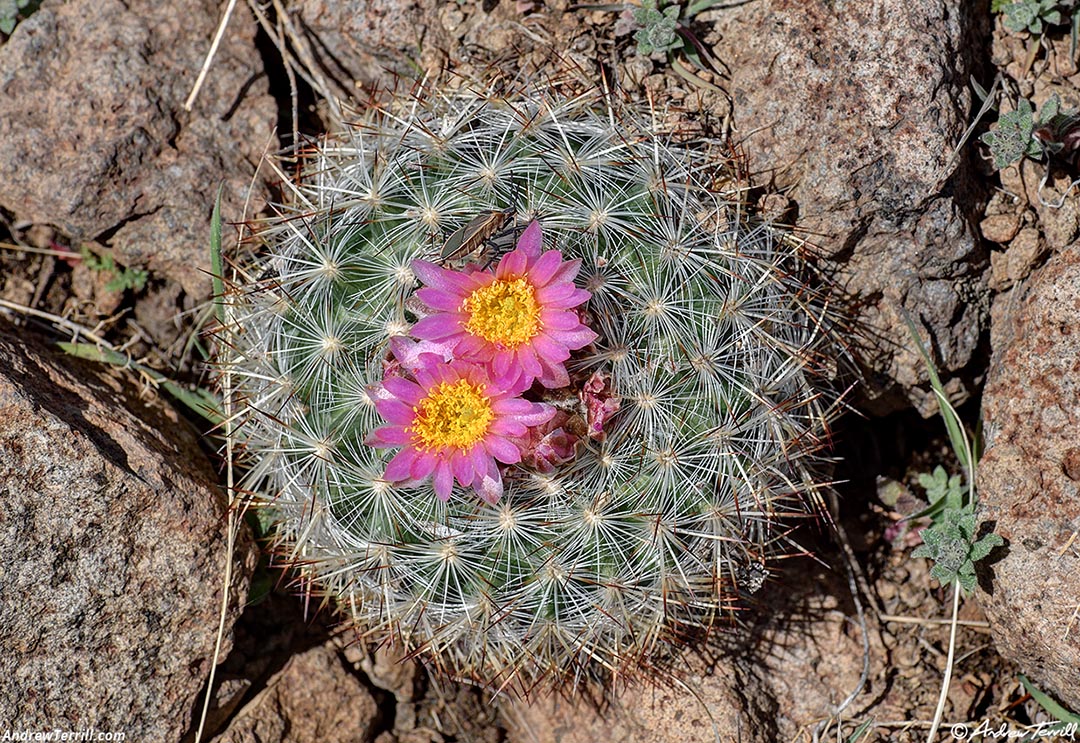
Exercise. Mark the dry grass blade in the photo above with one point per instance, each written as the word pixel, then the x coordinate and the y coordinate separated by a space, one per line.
pixel 227 424
pixel 209 56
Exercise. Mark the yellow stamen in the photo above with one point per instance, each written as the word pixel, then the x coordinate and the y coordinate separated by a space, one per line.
pixel 505 312
pixel 454 414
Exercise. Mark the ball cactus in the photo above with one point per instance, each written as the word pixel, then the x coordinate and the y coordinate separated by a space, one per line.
pixel 655 450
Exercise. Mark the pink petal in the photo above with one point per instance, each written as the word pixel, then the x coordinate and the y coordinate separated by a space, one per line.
pixel 528 362
pixel 540 414
pixel 438 277
pixel 548 350
pixel 514 382
pixel 544 268
pixel 554 376
pixel 551 319
pixel 395 411
pixel 512 406
pixel 404 390
pixel 402 347
pixel 513 263
pixel 423 465
pixel 387 436
pixel 444 480
pixel 508 427
pixel 437 299
pixel 437 327
pixel 401 465
pixel 547 294
pixel 566 273
pixel 458 369
pixel 474 347
pixel 463 468
pixel 502 450
pixel 574 339
pixel 481 462
pixel 500 365
pixel 531 239
pixel 413 355
pixel 489 486
pixel 426 377
pixel 561 296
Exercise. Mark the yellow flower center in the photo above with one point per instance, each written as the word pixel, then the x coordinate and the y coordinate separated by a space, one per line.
pixel 454 414
pixel 505 312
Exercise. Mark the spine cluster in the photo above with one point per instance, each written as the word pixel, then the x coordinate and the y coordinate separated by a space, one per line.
pixel 691 414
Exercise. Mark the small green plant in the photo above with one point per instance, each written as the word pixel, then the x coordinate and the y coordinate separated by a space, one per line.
pixel 659 28
pixel 123 277
pixel 663 28
pixel 11 11
pixel 950 542
pixel 950 539
pixel 1012 140
pixel 1033 16
pixel 1019 134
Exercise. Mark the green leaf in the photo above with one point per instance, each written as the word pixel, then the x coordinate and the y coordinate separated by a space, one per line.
pixel 1050 110
pixel 957 435
pixel 985 546
pixel 657 32
pixel 933 484
pixel 1013 139
pixel 861 733
pixel 201 402
pixel 701 6
pixel 967 583
pixel 1056 710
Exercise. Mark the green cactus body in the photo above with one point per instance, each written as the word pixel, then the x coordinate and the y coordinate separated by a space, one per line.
pixel 707 339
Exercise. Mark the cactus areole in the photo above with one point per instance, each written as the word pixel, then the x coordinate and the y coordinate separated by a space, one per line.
pixel 545 464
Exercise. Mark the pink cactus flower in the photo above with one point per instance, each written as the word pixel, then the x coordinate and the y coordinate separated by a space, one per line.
pixel 453 422
pixel 407 356
pixel 547 446
pixel 600 404
pixel 519 319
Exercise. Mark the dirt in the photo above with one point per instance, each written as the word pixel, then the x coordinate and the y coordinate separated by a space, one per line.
pixel 1002 230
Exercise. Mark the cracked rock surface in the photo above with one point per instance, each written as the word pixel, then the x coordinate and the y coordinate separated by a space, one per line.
pixel 853 111
pixel 97 142
pixel 1029 477
pixel 113 536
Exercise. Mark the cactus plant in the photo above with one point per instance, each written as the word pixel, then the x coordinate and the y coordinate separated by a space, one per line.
pixel 690 414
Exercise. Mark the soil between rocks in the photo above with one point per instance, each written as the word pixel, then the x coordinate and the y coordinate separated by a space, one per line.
pixel 289 658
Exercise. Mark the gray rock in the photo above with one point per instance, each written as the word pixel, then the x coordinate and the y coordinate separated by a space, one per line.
pixel 1029 478
pixel 728 704
pixel 853 109
pixel 112 533
pixel 314 698
pixel 96 141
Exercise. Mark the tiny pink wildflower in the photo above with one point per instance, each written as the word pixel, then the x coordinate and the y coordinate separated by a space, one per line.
pixel 519 319
pixel 453 423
